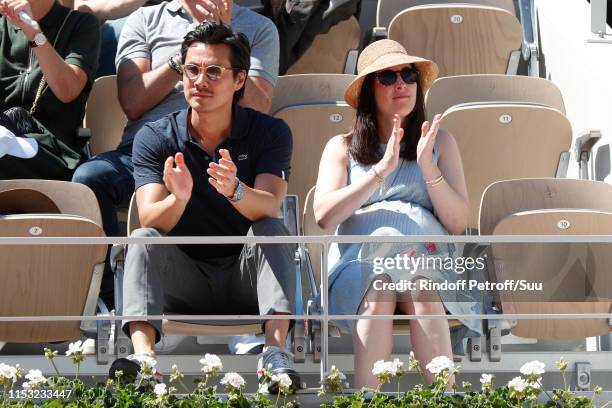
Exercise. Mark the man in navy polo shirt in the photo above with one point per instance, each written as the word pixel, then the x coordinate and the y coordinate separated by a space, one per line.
pixel 213 169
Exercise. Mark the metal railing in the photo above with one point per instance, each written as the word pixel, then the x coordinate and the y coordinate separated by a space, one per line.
pixel 325 241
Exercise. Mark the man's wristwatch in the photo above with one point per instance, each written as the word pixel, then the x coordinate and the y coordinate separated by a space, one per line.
pixel 39 40
pixel 238 192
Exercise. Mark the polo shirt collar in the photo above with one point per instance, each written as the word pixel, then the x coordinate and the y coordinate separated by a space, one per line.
pixel 238 131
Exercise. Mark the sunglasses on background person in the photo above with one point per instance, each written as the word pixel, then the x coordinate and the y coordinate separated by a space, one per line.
pixel 212 72
pixel 389 77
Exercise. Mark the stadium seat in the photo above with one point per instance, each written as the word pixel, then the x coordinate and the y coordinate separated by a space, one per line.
pixel 500 141
pixel 333 52
pixel 386 10
pixel 490 88
pixel 50 280
pixel 575 276
pixel 461 38
pixel 309 88
pixel 104 119
pixel 313 107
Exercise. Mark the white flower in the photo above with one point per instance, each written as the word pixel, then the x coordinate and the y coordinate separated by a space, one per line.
pixel 334 370
pixel 8 372
pixel 381 367
pixel 263 388
pixel 439 364
pixel 533 368
pixel 233 379
pixel 282 379
pixel 397 367
pixel 211 363
pixel 145 361
pixel 74 348
pixel 518 384
pixel 35 377
pixel 534 384
pixel 160 389
pixel 486 379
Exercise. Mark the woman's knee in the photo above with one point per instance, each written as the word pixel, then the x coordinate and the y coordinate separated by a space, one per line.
pixel 379 299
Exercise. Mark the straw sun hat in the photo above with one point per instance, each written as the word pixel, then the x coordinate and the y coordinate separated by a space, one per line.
pixel 384 54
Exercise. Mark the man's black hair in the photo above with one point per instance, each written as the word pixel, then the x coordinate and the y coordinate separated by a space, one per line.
pixel 212 32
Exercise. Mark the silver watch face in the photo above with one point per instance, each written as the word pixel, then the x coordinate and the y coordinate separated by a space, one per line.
pixel 40 39
pixel 239 192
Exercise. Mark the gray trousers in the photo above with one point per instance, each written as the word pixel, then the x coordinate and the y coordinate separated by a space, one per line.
pixel 163 279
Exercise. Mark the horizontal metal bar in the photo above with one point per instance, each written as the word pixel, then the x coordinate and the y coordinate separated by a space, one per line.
pixel 484 239
pixel 526 316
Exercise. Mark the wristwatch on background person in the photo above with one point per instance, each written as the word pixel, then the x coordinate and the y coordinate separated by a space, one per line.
pixel 238 192
pixel 39 40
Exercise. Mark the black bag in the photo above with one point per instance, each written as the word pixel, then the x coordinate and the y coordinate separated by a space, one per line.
pixel 19 121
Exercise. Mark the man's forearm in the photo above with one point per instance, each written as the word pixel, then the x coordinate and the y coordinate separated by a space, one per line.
pixel 139 93
pixel 163 215
pixel 255 98
pixel 257 204
pixel 108 10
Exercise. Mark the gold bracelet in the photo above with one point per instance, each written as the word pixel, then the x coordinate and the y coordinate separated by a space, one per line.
pixel 436 181
pixel 378 177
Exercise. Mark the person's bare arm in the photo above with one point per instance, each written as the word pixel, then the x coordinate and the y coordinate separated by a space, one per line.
pixel 108 10
pixel 140 88
pixel 161 206
pixel 261 201
pixel 257 94
pixel 449 197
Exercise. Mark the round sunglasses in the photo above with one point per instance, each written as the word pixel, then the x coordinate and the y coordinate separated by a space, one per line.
pixel 389 77
pixel 212 72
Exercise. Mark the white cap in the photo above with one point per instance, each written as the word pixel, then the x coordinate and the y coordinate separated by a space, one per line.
pixel 24 147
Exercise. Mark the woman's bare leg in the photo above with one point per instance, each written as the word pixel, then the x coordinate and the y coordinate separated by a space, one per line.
pixel 430 338
pixel 372 340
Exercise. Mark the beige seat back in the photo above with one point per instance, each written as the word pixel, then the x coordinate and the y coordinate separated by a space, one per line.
pixel 461 39
pixel 305 89
pixel 312 126
pixel 387 9
pixel 506 141
pixel 104 116
pixel 70 198
pixel 328 52
pixel 574 276
pixel 47 280
pixel 507 197
pixel 454 90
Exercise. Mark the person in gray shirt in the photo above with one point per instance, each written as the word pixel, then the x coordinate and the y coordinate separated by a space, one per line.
pixel 149 87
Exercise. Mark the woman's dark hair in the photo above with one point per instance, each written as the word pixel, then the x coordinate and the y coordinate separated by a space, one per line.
pixel 212 32
pixel 363 142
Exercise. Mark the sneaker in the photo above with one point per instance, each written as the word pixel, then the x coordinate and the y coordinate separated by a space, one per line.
pixel 277 361
pixel 131 367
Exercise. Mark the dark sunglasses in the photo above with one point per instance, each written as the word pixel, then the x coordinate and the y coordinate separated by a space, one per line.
pixel 212 72
pixel 389 77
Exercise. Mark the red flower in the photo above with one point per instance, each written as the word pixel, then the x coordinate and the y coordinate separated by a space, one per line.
pixel 431 247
